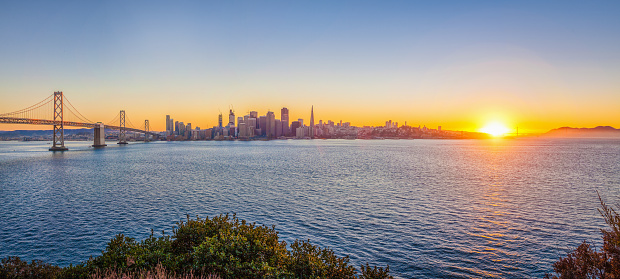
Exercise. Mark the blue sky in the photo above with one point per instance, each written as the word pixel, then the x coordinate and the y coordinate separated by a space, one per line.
pixel 456 63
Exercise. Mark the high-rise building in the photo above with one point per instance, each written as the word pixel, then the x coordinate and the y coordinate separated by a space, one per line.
pixel 251 127
pixel 243 130
pixel 262 125
pixel 311 131
pixel 181 129
pixel 239 121
pixel 219 121
pixel 270 125
pixel 294 126
pixel 168 128
pixel 231 119
pixel 301 122
pixel 171 126
pixel 176 127
pixel 284 120
pixel 254 114
pixel 278 128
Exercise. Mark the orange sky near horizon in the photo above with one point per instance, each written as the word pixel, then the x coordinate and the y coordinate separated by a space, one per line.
pixel 456 114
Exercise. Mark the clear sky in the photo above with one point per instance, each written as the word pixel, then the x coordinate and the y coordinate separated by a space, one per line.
pixel 460 64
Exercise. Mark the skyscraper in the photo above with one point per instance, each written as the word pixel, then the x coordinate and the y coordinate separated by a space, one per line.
pixel 254 114
pixel 262 125
pixel 231 119
pixel 278 128
pixel 285 123
pixel 168 128
pixel 171 121
pixel 294 126
pixel 231 124
pixel 271 124
pixel 219 121
pixel 312 122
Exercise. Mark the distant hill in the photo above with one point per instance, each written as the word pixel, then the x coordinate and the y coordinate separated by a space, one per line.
pixel 597 132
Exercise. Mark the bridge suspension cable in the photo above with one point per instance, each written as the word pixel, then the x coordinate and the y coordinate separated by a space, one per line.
pixel 75 112
pixel 35 111
pixel 114 120
pixel 131 124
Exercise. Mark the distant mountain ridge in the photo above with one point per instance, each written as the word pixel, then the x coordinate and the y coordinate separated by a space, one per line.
pixel 596 132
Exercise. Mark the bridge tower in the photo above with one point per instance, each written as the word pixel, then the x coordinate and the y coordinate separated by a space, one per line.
pixel 59 124
pixel 146 130
pixel 122 139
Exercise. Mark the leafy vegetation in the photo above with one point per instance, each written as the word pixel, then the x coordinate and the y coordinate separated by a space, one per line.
pixel 588 262
pixel 220 247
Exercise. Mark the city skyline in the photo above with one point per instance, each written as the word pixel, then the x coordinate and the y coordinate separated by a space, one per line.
pixel 532 65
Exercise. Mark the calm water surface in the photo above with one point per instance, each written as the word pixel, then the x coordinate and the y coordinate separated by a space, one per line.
pixel 428 208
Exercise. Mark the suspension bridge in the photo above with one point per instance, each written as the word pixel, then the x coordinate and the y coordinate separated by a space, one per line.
pixel 53 111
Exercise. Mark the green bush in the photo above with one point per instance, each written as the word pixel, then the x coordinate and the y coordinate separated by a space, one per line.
pixel 223 245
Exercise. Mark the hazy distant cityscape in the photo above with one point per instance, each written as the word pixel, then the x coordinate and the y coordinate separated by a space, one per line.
pixel 252 126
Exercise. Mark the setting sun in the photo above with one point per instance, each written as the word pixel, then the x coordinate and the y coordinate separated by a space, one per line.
pixel 495 129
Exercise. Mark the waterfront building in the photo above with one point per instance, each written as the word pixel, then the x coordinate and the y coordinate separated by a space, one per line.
pixel 243 130
pixel 278 128
pixel 302 132
pixel 294 126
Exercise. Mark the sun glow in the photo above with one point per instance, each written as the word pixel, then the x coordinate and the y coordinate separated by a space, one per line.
pixel 495 129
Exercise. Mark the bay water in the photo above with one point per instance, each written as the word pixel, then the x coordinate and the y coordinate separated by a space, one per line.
pixel 428 208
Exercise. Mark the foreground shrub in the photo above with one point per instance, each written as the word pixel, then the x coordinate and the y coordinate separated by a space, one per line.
pixel 199 248
pixel 14 267
pixel 588 262
pixel 158 273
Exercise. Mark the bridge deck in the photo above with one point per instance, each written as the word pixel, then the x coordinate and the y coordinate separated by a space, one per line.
pixel 13 120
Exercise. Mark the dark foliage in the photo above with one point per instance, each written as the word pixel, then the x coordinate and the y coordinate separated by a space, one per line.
pixel 223 245
pixel 14 267
pixel 586 261
pixel 376 272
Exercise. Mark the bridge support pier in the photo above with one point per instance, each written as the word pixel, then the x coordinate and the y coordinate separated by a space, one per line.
pixel 99 135
pixel 59 124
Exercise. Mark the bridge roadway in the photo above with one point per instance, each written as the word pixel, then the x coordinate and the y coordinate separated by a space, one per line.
pixel 13 120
